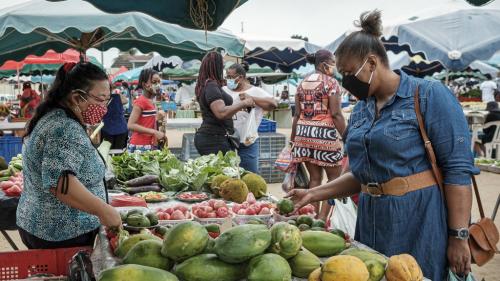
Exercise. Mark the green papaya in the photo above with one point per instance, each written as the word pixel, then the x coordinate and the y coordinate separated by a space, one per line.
pixel 317 229
pixel 304 227
pixel 304 263
pixel 185 240
pixel 269 267
pixel 123 216
pixel 285 206
pixel 126 245
pixel 255 221
pixel 286 240
pixel 210 248
pixel 338 232
pixel 303 219
pixel 162 230
pixel 322 243
pixel 138 220
pixel 207 267
pixel 148 253
pixel 134 212
pixel 373 261
pixel 376 270
pixel 135 272
pixel 242 242
pixel 292 222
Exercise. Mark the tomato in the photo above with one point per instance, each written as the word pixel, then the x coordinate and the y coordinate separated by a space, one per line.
pixel 251 198
pixel 205 204
pixel 160 216
pixel 251 212
pixel 222 212
pixel 6 184
pixel 177 215
pixel 219 204
pixel 201 214
pixel 166 216
pixel 211 203
pixel 236 208
pixel 242 212
pixel 208 209
pixel 14 191
pixel 211 215
pixel 245 205
pixel 169 211
pixel 181 208
pixel 214 234
pixel 265 211
pixel 256 207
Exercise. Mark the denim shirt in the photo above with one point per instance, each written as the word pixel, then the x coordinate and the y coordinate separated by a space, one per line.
pixel 391 146
pixel 57 144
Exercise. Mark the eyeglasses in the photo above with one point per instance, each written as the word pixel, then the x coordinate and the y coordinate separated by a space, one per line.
pixel 96 98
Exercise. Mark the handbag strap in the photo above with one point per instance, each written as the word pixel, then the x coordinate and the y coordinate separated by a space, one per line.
pixel 432 155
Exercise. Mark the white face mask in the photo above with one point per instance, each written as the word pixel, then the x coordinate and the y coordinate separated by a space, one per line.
pixel 156 88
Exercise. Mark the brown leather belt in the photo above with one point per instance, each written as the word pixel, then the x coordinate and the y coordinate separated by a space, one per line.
pixel 399 186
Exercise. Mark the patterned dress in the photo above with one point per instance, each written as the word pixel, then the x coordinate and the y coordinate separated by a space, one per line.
pixel 57 145
pixel 316 139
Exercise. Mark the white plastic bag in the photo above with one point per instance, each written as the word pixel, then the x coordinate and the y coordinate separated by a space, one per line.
pixel 249 132
pixel 453 277
pixel 344 215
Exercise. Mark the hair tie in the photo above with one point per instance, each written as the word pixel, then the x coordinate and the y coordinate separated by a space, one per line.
pixel 68 66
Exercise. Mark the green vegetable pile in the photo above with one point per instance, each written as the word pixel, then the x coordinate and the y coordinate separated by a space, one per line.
pixel 174 174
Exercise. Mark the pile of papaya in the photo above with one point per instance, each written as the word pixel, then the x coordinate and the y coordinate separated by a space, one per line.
pixel 251 252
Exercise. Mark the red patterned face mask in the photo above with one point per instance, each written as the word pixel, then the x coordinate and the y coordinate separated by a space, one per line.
pixel 94 113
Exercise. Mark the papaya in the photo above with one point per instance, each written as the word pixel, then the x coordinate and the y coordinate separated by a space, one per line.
pixel 213 228
pixel 304 263
pixel 322 243
pixel 365 255
pixel 138 220
pixel 162 230
pixel 315 275
pixel 344 268
pixel 303 219
pixel 317 229
pixel 209 249
pixel 207 267
pixel 338 232
pixel 148 253
pixel 304 227
pixel 286 240
pixel 185 240
pixel 269 267
pixel 373 261
pixel 123 216
pixel 403 267
pixel 134 212
pixel 126 245
pixel 135 272
pixel 292 222
pixel 242 243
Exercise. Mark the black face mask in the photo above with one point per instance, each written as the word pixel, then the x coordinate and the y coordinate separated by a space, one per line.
pixel 355 86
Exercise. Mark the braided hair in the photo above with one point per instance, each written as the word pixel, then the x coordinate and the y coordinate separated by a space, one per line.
pixel 212 68
pixel 69 77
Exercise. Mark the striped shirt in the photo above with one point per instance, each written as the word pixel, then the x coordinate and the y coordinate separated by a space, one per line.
pixel 147 119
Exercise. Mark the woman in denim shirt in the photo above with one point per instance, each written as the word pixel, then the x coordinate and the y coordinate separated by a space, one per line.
pixel 384 145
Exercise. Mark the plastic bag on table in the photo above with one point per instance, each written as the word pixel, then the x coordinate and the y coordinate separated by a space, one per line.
pixel 284 161
pixel 249 133
pixel 343 216
pixel 453 277
pixel 301 177
pixel 289 181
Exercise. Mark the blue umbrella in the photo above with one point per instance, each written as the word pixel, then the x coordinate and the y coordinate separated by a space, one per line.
pixel 455 39
pixel 128 76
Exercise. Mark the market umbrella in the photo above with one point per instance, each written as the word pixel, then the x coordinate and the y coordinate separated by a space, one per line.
pixel 454 39
pixel 49 63
pixel 121 70
pixel 37 26
pixel 128 76
pixel 283 54
pixel 196 14
pixel 158 62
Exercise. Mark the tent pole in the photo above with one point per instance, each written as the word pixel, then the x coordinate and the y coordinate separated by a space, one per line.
pixel 447 77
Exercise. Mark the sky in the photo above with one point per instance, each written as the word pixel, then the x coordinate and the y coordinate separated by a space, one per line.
pixel 322 21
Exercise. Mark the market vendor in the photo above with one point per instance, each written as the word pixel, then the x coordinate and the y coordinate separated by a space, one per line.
pixel 142 121
pixel 383 143
pixel 29 101
pixel 63 202
pixel 217 108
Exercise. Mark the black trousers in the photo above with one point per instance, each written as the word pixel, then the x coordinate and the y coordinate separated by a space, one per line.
pixel 33 242
pixel 208 144
pixel 117 141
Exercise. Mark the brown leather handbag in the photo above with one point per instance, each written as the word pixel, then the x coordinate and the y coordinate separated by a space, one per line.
pixel 483 235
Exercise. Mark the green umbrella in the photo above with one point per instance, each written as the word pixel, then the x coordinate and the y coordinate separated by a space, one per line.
pixel 37 26
pixel 196 14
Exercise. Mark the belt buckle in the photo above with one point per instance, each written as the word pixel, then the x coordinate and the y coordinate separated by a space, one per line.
pixel 374 189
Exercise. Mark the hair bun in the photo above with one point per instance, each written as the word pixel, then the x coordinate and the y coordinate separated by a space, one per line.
pixel 370 22
pixel 311 58
pixel 245 66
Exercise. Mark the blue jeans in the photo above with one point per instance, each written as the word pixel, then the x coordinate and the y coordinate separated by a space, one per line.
pixel 249 157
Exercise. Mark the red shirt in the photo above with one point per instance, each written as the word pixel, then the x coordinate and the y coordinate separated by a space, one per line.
pixel 147 120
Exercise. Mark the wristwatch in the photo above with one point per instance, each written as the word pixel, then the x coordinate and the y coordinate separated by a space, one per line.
pixel 461 233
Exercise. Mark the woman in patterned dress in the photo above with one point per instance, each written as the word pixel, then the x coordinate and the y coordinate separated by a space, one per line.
pixel 319 124
pixel 63 201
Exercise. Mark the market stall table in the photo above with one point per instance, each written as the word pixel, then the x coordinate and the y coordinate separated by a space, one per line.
pixel 180 123
pixel 8 208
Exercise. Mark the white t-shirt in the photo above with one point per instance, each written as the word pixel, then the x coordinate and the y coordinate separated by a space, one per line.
pixel 487 89
pixel 239 120
pixel 184 95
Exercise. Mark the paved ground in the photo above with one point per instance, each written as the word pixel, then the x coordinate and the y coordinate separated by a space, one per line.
pixel 489 184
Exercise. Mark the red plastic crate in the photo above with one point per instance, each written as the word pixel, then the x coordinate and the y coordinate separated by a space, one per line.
pixel 24 264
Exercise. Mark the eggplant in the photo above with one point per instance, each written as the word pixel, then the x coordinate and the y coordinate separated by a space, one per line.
pixel 139 189
pixel 142 181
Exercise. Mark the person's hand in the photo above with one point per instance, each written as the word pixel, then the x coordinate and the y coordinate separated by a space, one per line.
pixel 109 217
pixel 159 135
pixel 459 257
pixel 300 197
pixel 247 100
